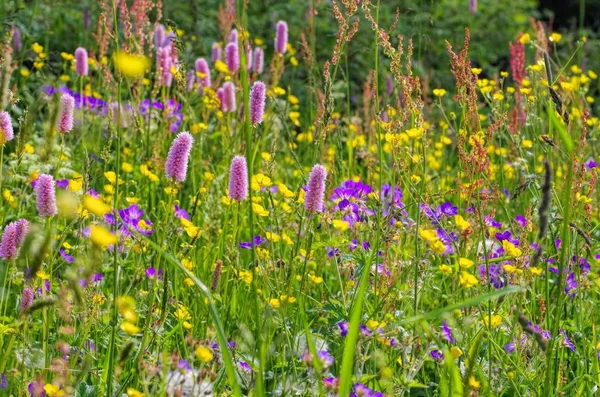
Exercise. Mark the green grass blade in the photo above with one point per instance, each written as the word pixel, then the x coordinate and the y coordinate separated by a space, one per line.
pixel 213 313
pixel 468 302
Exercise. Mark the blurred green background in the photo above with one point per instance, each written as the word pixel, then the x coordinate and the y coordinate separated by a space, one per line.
pixel 63 25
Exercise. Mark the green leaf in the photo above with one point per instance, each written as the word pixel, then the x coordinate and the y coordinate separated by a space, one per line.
pixel 468 302
pixel 564 135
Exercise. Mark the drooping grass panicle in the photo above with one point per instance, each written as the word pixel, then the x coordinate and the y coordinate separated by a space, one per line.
pixel 46 196
pixel 257 102
pixel 178 157
pixel 5 74
pixel 545 202
pixel 6 128
pixel 558 103
pixel 315 189
pixel 530 330
pixel 238 179
pixel 65 115
pixel 216 276
pixel 81 61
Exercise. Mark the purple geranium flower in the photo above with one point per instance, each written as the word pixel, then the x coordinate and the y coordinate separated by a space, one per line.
pixel 248 244
pixel 447 333
pixel 181 213
pixel 153 273
pixel 343 328
pixel 520 219
pixel 567 341
pixel 66 256
pixel 62 183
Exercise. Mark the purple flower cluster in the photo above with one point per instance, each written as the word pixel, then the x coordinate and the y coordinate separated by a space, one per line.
pixel 130 219
pixel 258 240
pixel 436 214
pixel 361 390
pixel 497 274
pixel 150 109
pixel 351 198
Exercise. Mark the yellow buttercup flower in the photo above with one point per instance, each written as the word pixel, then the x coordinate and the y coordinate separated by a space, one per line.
pixel 445 269
pixel 131 65
pixel 259 210
pixel 465 263
pixel 555 37
pixel 496 321
pixel 131 392
pixel 274 303
pixel 102 237
pixel 130 328
pixel 95 205
pixel 511 249
pixel 204 354
pixel 525 38
pixel 468 280
pixel 461 223
pixel 52 390
pixel 340 225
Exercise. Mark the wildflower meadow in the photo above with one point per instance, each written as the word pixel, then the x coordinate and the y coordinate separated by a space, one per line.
pixel 362 198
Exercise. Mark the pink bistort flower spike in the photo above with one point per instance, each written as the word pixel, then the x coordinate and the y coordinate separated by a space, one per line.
pixel 216 52
pixel 281 37
pixel 177 160
pixel 12 239
pixel 27 298
pixel 221 96
pixel 190 80
pixel 313 200
pixel 232 57
pixel 65 115
pixel 159 36
pixel 81 61
pixel 257 102
pixel 229 93
pixel 259 60
pixel 6 128
pixel 233 36
pixel 204 71
pixel 46 196
pixel 238 179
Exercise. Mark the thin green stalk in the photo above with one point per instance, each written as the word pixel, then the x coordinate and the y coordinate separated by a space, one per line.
pixel 115 292
pixel 347 370
pixel 250 161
